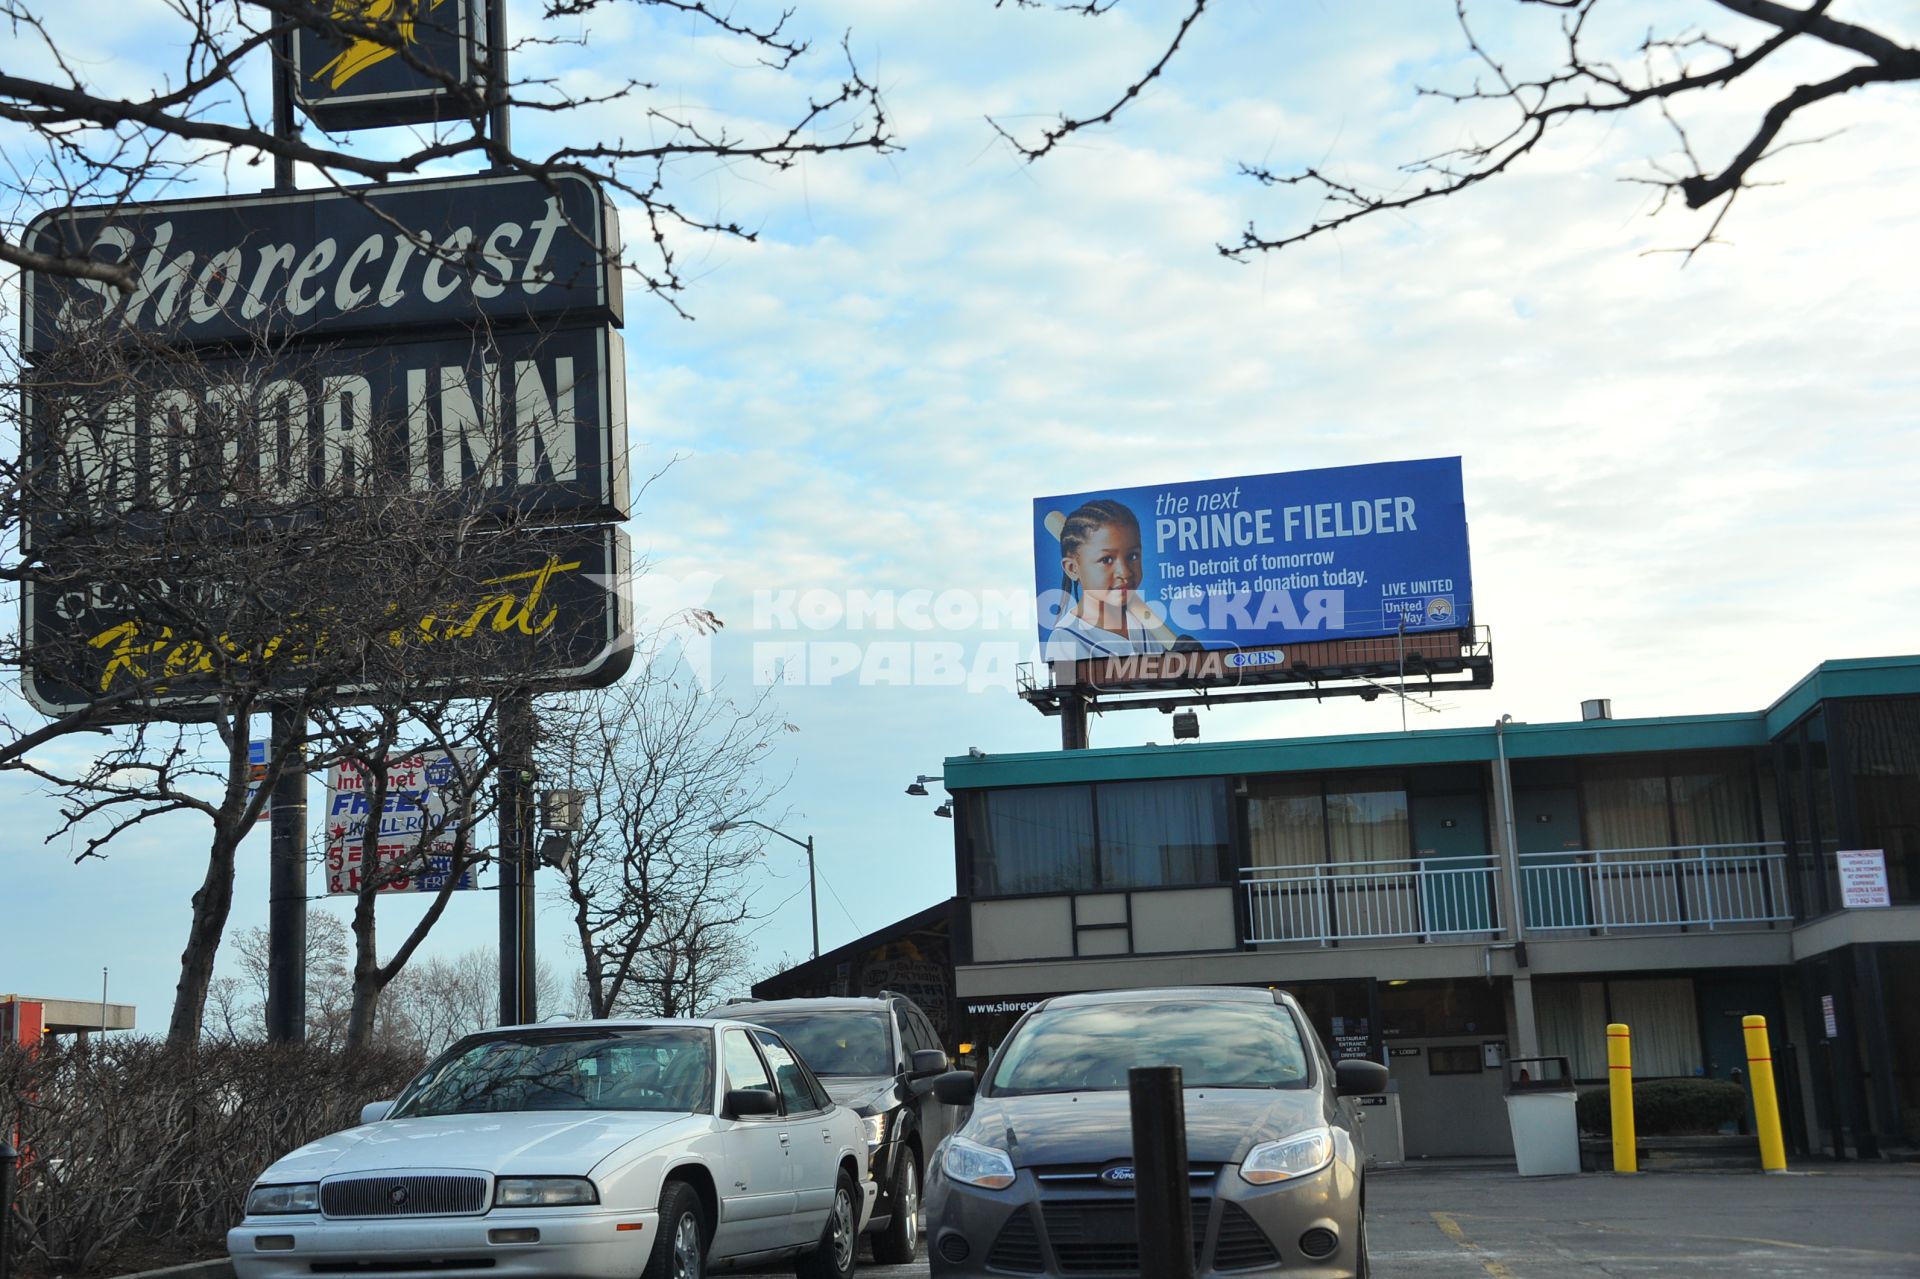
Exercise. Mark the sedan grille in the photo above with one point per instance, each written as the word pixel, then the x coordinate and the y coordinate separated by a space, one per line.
pixel 409 1195
pixel 1242 1244
pixel 1092 1237
pixel 1018 1247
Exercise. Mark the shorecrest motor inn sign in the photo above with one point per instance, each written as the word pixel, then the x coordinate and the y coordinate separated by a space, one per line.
pixel 452 337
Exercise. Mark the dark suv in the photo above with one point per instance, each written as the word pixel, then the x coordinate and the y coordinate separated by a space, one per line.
pixel 879 1056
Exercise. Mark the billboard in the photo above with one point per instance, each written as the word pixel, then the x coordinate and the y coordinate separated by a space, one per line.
pixel 414 831
pixel 488 250
pixel 542 607
pixel 1252 563
pixel 361 64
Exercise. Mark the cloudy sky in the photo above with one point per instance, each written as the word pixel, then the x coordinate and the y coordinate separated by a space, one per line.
pixel 1688 483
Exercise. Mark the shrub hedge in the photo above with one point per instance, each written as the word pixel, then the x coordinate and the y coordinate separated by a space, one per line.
pixel 127 1144
pixel 1668 1107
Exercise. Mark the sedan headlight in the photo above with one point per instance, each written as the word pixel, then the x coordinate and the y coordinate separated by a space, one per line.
pixel 876 1126
pixel 543 1192
pixel 977 1165
pixel 1283 1160
pixel 266 1200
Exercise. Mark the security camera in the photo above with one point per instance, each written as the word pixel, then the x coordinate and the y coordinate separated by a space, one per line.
pixel 974 752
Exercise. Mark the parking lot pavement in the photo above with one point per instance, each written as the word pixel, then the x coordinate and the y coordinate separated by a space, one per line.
pixel 1839 1221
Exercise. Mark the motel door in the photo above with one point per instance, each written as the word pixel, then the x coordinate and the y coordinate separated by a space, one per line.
pixel 1547 830
pixel 1450 839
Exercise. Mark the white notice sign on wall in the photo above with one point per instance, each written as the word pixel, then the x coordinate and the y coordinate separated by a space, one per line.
pixel 1863 878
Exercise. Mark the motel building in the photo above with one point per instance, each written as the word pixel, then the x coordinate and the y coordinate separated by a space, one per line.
pixel 1442 900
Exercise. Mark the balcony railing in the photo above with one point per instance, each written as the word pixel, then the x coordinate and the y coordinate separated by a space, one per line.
pixel 1418 897
pixel 1707 887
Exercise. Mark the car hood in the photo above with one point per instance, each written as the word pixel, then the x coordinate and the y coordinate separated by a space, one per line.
pixel 867 1093
pixel 1092 1127
pixel 518 1143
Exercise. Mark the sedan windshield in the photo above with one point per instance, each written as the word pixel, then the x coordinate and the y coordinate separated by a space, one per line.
pixel 651 1068
pixel 834 1042
pixel 1090 1048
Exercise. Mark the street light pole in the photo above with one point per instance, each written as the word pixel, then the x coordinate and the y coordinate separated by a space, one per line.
pixel 813 891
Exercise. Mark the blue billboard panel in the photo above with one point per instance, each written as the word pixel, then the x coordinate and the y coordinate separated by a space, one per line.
pixel 1253 561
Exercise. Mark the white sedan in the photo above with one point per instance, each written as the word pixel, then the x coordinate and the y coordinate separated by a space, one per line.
pixel 602 1149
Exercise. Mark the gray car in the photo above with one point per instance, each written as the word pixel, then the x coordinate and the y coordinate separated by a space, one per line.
pixel 1039 1179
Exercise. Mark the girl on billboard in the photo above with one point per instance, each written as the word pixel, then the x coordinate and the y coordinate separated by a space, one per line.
pixel 1101 570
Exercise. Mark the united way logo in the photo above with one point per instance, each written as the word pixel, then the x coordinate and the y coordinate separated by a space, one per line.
pixel 1121 1175
pixel 1440 609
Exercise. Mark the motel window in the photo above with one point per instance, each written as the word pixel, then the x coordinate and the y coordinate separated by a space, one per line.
pixel 1662 802
pixel 1159 834
pixel 1063 839
pixel 1883 760
pixel 1573 1018
pixel 1345 817
pixel 1033 839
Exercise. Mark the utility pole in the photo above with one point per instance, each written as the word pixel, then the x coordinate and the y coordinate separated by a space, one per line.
pixel 518 960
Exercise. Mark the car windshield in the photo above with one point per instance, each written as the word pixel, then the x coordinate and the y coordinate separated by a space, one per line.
pixel 1090 1048
pixel 650 1068
pixel 840 1041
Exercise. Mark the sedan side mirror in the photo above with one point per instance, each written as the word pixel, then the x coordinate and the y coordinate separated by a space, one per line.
pixel 374 1111
pixel 927 1061
pixel 742 1102
pixel 956 1087
pixel 1358 1077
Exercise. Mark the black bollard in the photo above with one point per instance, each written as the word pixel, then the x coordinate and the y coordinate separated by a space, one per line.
pixel 1161 1194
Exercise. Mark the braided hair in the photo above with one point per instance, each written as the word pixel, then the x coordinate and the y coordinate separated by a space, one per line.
pixel 1085 520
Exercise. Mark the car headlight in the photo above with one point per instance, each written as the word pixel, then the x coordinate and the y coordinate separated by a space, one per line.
pixel 876 1126
pixel 977 1165
pixel 266 1200
pixel 1296 1156
pixel 543 1192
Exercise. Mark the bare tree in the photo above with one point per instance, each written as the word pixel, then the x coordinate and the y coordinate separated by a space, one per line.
pixel 437 1000
pixel 658 884
pixel 197 569
pixel 91 131
pixel 1604 69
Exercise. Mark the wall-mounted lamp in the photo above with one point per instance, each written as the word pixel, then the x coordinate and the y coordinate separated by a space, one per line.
pixel 945 810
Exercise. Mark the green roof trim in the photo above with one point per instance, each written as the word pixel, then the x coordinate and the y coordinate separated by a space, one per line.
pixel 1857 677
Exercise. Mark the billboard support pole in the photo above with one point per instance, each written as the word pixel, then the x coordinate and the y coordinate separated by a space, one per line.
pixel 1073 721
pixel 514 717
pixel 287 882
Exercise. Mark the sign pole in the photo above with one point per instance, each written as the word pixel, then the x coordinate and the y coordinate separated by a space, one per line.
pixel 287 824
pixel 287 882
pixel 514 719
pixel 499 129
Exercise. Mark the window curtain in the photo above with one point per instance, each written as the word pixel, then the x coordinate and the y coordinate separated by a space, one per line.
pixel 1367 820
pixel 1626 804
pixel 1883 740
pixel 1036 839
pixel 1286 822
pixel 1572 1017
pixel 1159 834
pixel 1714 802
pixel 1665 1025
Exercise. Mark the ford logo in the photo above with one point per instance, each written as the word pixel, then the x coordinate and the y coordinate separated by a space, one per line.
pixel 1122 1175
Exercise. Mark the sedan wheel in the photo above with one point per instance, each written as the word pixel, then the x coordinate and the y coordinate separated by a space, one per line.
pixel 680 1250
pixel 686 1247
pixel 833 1256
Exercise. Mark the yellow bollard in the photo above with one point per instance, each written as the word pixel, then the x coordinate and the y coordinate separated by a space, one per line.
pixel 1766 1102
pixel 1620 1086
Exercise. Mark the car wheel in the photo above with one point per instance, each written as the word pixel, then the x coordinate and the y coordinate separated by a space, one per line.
pixel 900 1241
pixel 680 1251
pixel 833 1257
